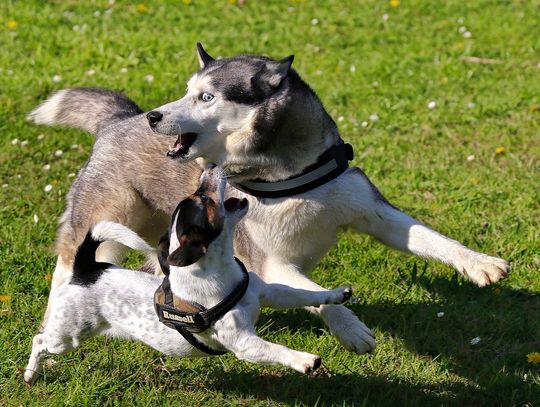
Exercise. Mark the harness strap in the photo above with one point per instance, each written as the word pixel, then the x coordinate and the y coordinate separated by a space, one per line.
pixel 188 336
pixel 189 317
pixel 331 164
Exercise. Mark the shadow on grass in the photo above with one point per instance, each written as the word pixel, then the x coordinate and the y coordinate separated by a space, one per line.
pixel 506 320
pixel 349 389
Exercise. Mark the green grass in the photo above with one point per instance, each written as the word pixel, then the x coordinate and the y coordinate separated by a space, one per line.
pixel 359 64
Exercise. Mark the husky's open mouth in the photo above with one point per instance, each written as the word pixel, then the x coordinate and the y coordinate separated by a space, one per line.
pixel 182 145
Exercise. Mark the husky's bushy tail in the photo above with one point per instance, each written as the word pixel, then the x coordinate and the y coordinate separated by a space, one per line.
pixel 86 269
pixel 89 109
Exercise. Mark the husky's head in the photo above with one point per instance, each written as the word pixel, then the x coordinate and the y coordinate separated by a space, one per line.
pixel 251 115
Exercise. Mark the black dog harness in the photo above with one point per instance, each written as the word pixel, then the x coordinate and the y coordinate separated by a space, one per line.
pixel 331 164
pixel 189 317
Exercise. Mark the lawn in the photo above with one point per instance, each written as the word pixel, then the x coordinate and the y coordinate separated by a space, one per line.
pixel 441 101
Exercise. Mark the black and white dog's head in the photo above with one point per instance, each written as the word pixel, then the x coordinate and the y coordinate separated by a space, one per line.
pixel 200 221
pixel 242 113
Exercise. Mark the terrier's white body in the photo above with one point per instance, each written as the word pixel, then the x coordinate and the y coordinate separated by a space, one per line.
pixel 120 302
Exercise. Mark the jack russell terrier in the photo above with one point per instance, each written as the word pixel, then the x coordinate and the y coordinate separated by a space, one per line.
pixel 207 304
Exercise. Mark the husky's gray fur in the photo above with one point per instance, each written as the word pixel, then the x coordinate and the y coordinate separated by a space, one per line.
pixel 255 118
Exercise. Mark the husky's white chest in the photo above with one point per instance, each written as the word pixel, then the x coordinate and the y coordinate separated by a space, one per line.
pixel 295 230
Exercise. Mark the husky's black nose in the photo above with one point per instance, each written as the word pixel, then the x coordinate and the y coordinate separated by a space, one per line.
pixel 154 117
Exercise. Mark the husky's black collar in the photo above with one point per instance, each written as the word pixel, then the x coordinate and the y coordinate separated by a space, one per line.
pixel 331 164
pixel 188 317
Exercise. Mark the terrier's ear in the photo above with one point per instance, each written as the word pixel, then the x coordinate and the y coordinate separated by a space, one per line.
pixel 163 253
pixel 191 249
pixel 273 73
pixel 204 57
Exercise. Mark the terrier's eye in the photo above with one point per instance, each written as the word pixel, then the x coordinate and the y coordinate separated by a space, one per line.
pixel 206 97
pixel 204 198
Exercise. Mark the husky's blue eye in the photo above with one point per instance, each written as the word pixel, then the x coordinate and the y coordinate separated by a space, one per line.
pixel 206 97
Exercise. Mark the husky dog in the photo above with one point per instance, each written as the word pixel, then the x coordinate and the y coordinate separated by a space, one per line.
pixel 268 130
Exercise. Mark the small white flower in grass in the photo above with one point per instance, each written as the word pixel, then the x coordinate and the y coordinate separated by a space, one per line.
pixel 352 69
pixel 364 124
pixel 74 146
pixel 315 21
pixel 440 314
pixel 123 70
pixel 470 158
pixel 432 104
pixel 462 29
pixel 375 84
pixel 24 143
pixel 385 17
pixel 111 2
pixel 97 13
pixel 5 185
pixel 15 141
pixel 467 34
pixel 46 167
pixel 318 72
pixel 49 362
pixel 108 12
pixel 76 27
pixel 471 105
pixel 56 78
pixel 71 175
pixel 475 341
pixel 374 117
pixel 90 72
pixel 149 78
pixel 36 219
pixel 47 188
pixel 340 118
pixel 58 153
pixel 41 137
pixel 19 176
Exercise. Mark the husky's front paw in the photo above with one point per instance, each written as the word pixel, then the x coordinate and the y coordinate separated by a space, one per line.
pixel 484 270
pixel 352 333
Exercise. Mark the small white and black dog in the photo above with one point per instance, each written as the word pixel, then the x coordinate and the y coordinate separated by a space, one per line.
pixel 219 299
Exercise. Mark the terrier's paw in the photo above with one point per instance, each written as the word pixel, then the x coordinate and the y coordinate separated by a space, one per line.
pixel 314 365
pixel 347 293
pixel 306 362
pixel 30 376
pixel 352 333
pixel 484 270
pixel 340 295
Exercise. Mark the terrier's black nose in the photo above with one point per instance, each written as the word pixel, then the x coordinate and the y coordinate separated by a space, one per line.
pixel 154 117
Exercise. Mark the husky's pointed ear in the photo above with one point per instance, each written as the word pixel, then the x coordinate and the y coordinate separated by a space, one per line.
pixel 273 72
pixel 204 57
